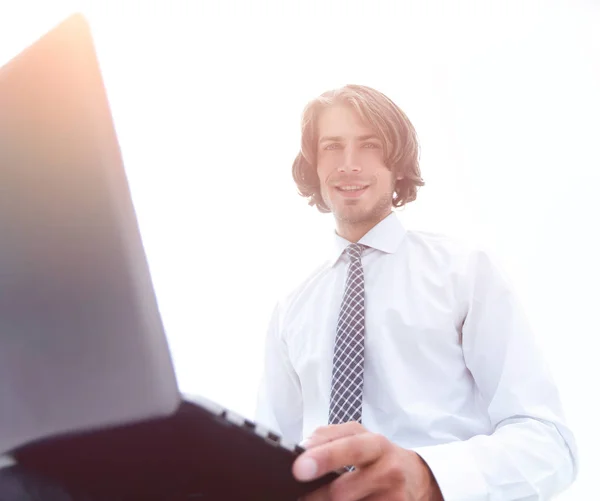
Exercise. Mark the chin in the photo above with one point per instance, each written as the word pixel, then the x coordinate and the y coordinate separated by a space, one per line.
pixel 357 212
pixel 353 214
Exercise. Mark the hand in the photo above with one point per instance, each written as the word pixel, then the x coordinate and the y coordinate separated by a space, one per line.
pixel 383 471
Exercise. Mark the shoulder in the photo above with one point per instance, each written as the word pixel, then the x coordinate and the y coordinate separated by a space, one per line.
pixel 294 296
pixel 466 258
pixel 293 301
pixel 439 247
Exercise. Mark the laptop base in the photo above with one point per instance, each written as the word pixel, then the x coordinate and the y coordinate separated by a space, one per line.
pixel 194 454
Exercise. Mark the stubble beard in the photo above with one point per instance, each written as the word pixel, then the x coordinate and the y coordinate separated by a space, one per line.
pixel 351 213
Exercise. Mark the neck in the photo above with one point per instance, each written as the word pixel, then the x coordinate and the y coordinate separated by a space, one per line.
pixel 355 230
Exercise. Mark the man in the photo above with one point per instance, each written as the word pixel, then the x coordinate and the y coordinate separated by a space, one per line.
pixel 404 360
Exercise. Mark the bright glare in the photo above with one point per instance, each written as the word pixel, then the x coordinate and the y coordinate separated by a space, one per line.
pixel 207 101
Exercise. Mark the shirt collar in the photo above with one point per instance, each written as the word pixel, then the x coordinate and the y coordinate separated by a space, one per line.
pixel 385 236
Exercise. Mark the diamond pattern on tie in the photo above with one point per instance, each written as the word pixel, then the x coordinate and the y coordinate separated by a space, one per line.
pixel 348 354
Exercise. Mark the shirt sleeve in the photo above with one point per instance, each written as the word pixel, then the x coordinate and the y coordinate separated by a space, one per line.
pixel 279 403
pixel 532 453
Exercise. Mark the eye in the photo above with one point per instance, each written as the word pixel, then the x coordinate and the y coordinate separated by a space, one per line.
pixel 333 146
pixel 370 145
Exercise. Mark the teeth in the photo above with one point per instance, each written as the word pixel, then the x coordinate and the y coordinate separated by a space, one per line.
pixel 350 188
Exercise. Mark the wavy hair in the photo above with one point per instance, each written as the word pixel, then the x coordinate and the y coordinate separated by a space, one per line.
pixel 390 124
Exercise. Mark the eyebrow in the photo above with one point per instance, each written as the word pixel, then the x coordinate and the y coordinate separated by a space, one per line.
pixel 366 137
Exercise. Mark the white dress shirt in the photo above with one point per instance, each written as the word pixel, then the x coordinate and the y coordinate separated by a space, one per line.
pixel 451 366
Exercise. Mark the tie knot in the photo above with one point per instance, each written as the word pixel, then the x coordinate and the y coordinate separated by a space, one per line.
pixel 354 251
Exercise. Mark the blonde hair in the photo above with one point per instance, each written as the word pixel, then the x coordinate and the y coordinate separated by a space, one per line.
pixel 390 124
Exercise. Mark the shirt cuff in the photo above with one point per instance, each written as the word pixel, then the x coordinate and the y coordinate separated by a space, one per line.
pixel 455 471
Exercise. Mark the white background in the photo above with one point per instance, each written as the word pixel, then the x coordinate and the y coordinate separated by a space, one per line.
pixel 207 102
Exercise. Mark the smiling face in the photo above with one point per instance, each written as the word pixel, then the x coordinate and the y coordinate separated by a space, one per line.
pixel 356 185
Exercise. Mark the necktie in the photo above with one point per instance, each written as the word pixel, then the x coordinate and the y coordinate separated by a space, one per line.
pixel 348 355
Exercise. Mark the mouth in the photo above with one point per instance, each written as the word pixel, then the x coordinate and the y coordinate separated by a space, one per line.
pixel 351 190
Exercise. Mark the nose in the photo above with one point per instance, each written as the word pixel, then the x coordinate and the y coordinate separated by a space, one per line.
pixel 349 161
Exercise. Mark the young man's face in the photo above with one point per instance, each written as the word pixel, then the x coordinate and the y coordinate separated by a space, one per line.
pixel 355 183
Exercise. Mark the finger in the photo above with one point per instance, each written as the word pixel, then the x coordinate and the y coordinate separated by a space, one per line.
pixel 358 450
pixel 329 433
pixel 326 492
pixel 361 485
pixel 381 496
pixel 365 483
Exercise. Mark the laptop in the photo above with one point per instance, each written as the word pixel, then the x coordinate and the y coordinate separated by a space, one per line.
pixel 88 390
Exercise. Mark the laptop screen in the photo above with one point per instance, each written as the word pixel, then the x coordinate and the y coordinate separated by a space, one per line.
pixel 81 340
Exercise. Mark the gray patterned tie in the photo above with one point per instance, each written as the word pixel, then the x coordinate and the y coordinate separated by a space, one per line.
pixel 348 356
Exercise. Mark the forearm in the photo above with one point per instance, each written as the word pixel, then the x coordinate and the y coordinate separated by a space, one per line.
pixel 523 459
